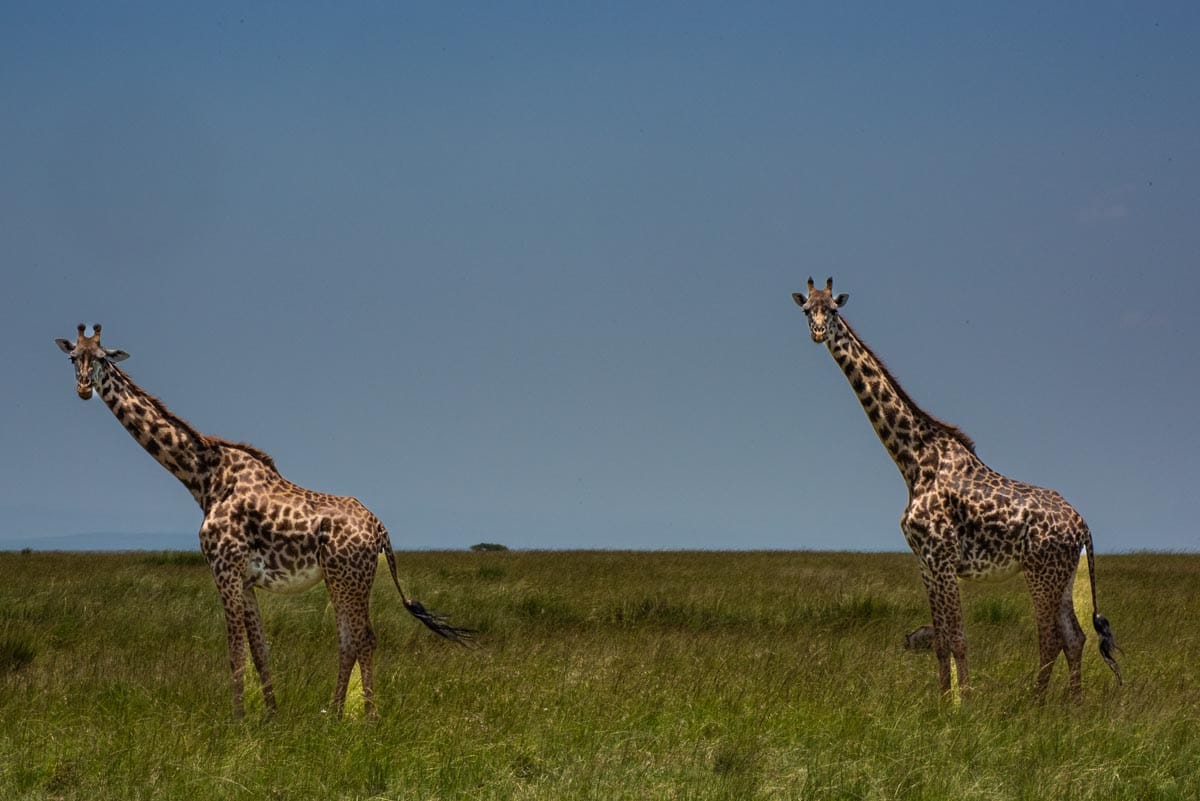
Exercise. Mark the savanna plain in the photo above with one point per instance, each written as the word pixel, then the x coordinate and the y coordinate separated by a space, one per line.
pixel 594 675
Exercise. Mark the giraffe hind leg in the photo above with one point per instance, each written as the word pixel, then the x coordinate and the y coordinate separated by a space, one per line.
pixel 349 583
pixel 365 655
pixel 345 666
pixel 1047 606
pixel 1073 639
pixel 356 644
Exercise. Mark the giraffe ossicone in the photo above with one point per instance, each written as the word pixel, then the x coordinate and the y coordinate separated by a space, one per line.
pixel 964 519
pixel 259 529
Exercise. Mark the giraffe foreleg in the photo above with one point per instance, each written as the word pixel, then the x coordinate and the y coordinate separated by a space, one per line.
pixel 225 551
pixel 258 646
pixel 949 640
pixel 233 601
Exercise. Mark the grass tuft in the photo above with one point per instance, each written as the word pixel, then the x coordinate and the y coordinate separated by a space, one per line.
pixel 735 759
pixel 15 654
pixel 996 612
pixel 660 611
pixel 175 559
pixel 546 610
pixel 855 610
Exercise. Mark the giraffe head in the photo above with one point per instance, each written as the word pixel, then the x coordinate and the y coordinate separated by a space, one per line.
pixel 88 357
pixel 820 307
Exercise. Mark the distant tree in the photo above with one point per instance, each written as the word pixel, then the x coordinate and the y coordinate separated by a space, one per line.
pixel 489 546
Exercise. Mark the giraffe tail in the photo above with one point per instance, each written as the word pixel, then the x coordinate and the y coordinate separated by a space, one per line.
pixel 434 621
pixel 1108 644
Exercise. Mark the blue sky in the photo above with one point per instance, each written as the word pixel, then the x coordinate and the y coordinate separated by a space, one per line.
pixel 522 272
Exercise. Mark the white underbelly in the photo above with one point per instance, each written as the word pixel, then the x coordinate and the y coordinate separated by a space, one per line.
pixel 990 572
pixel 286 581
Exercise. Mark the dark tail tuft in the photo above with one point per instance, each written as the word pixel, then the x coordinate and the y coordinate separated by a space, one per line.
pixel 434 621
pixel 1108 645
pixel 438 624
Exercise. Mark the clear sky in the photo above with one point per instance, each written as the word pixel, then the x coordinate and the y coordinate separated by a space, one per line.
pixel 521 272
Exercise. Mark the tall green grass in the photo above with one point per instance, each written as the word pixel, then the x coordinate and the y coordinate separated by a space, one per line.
pixel 597 675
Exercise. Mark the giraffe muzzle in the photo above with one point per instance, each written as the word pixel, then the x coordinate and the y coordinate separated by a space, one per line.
pixel 84 391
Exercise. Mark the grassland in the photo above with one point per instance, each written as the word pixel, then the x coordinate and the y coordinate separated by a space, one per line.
pixel 596 676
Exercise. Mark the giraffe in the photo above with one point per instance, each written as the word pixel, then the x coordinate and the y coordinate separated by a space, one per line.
pixel 964 519
pixel 259 529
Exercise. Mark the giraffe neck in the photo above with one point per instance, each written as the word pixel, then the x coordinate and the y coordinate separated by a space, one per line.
pixel 907 432
pixel 172 442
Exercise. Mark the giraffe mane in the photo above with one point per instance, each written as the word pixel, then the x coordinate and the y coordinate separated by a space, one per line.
pixel 159 406
pixel 201 440
pixel 953 431
pixel 257 453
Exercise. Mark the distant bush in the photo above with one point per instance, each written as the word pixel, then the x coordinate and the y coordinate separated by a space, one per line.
pixel 489 546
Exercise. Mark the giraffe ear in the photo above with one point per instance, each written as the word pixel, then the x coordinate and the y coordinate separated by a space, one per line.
pixel 841 299
pixel 65 346
pixel 116 355
pixel 796 296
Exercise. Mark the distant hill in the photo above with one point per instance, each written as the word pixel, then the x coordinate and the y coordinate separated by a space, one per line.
pixel 102 541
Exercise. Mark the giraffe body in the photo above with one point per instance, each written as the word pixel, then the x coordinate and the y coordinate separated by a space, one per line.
pixel 259 529
pixel 963 519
